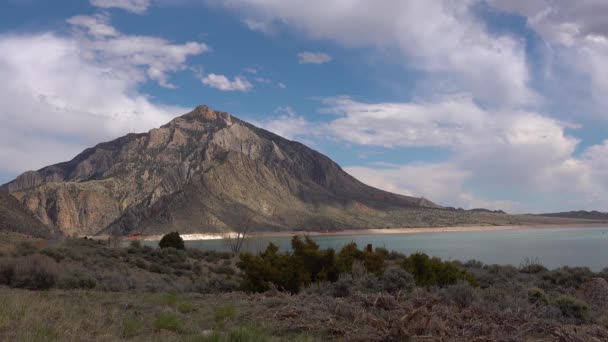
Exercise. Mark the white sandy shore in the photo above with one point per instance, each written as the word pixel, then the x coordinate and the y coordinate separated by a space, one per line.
pixel 192 237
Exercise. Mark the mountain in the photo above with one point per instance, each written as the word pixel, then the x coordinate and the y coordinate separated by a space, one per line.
pixel 208 171
pixel 14 217
pixel 579 214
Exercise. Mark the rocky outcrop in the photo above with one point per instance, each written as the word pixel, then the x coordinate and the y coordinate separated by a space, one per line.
pixel 204 171
pixel 14 217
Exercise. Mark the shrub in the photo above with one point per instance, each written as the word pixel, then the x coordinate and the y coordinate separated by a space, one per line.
pixel 77 281
pixel 462 294
pixel 568 276
pixel 434 272
pixel 168 321
pixel 223 269
pixel 537 296
pixel 397 279
pixel 473 264
pixel 531 266
pixel 135 244
pixel 7 271
pixel 35 272
pixel 373 261
pixel 25 248
pixel 572 307
pixel 172 240
pixel 131 327
pixel 288 271
pixel 215 284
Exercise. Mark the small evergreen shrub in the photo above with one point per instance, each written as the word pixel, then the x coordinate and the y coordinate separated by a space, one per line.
pixel 172 240
pixel 537 296
pixel 435 272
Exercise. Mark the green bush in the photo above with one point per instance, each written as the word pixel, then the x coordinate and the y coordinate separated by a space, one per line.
pixel 172 240
pixel 135 244
pixel 304 265
pixel 537 296
pixel 288 271
pixel 572 307
pixel 435 272
pixel 373 261
pixel 168 321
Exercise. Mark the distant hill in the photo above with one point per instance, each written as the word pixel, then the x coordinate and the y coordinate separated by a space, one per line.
pixel 14 217
pixel 579 214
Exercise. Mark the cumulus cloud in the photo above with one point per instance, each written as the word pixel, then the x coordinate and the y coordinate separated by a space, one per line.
pixel 223 83
pixel 577 32
pixel 313 58
pixel 289 125
pixel 53 109
pixel 97 26
pixel 441 37
pixel 140 57
pixel 135 6
pixel 442 182
pixel 84 90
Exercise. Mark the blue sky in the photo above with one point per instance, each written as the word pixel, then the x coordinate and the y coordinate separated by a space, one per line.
pixel 477 103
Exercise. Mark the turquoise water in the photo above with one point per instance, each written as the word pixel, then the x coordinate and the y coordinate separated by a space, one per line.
pixel 554 247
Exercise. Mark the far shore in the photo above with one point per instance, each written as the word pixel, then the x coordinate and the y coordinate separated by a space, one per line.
pixel 419 230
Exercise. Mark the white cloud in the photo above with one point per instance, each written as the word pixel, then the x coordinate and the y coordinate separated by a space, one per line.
pixel 442 182
pixel 263 80
pixel 222 82
pixel 56 106
pixel 313 58
pixel 97 26
pixel 281 85
pixel 289 125
pixel 135 6
pixel 71 92
pixel 441 37
pixel 139 57
pixel 577 32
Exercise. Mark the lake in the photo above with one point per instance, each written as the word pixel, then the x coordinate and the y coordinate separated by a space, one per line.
pixel 553 247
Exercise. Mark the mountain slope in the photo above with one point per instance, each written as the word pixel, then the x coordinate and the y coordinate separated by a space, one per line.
pixel 205 171
pixel 14 217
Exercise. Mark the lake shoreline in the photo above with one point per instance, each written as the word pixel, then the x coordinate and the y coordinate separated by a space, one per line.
pixel 383 231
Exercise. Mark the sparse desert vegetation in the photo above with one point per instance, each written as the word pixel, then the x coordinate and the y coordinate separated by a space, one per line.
pixel 83 290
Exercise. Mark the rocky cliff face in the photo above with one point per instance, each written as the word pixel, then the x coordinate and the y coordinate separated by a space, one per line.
pixel 14 217
pixel 204 171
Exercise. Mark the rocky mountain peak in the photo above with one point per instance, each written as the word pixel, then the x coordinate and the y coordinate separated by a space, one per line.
pixel 203 171
pixel 203 113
